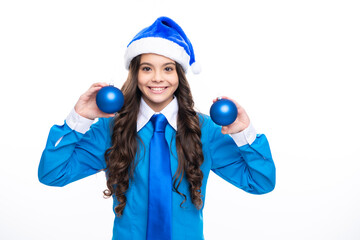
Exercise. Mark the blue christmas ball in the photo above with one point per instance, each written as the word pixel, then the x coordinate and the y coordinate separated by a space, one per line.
pixel 223 112
pixel 110 99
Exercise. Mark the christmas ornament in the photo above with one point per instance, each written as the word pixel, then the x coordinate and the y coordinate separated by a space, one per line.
pixel 223 112
pixel 110 99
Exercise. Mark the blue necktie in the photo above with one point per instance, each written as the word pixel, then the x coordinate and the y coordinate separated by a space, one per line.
pixel 160 183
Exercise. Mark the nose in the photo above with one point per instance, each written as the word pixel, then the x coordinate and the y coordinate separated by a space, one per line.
pixel 157 77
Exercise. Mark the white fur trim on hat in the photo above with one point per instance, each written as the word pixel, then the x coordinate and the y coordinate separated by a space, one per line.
pixel 196 68
pixel 159 46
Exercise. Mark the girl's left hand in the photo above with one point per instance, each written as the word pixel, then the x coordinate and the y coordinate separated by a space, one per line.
pixel 241 122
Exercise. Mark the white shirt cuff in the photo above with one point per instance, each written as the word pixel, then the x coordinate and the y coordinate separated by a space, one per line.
pixel 247 136
pixel 77 122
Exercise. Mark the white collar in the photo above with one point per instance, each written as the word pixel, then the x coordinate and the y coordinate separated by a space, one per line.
pixel 145 113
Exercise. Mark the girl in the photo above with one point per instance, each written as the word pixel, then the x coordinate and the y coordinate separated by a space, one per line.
pixel 158 193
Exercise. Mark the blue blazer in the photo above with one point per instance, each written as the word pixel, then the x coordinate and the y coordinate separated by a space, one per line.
pixel 77 155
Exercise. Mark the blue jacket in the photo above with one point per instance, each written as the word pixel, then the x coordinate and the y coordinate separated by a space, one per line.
pixel 77 155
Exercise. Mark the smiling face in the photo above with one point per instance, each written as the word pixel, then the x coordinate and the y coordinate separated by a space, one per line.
pixel 157 80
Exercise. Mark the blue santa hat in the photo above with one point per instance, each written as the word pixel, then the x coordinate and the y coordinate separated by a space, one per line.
pixel 164 37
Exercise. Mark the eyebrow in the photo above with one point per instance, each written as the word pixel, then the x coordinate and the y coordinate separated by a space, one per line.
pixel 146 63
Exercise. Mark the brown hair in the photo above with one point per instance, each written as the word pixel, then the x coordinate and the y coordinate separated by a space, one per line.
pixel 120 157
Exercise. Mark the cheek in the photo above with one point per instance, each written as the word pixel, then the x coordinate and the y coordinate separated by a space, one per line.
pixel 141 81
pixel 175 81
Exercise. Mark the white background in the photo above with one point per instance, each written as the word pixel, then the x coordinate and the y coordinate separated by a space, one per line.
pixel 293 65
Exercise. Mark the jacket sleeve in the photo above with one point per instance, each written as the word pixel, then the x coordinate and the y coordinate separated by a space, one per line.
pixel 70 155
pixel 249 167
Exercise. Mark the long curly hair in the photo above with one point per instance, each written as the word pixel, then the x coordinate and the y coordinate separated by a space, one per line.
pixel 120 157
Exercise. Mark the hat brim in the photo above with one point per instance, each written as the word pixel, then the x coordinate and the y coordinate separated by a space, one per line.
pixel 159 46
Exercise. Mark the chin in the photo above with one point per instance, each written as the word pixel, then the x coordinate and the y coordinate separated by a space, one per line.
pixel 159 102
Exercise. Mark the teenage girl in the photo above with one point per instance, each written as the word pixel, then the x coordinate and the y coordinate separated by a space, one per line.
pixel 157 58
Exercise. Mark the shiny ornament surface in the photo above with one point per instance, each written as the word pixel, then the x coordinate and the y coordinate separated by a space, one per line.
pixel 110 99
pixel 223 112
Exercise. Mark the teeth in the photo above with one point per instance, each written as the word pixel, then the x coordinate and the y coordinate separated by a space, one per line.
pixel 157 89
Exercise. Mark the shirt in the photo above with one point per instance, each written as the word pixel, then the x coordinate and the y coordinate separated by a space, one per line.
pixel 76 149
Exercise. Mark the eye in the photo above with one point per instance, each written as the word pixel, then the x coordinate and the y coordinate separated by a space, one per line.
pixel 169 69
pixel 146 69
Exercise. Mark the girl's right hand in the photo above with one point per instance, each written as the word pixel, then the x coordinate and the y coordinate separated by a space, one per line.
pixel 86 105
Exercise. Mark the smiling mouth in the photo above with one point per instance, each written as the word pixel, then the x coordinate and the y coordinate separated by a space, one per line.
pixel 157 89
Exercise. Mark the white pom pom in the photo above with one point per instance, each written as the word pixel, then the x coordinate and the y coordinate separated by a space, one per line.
pixel 196 68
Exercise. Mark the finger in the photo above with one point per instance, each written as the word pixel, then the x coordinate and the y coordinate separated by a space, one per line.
pixel 224 129
pixel 94 89
pixel 238 106
pixel 99 84
pixel 218 98
pixel 89 93
pixel 225 97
